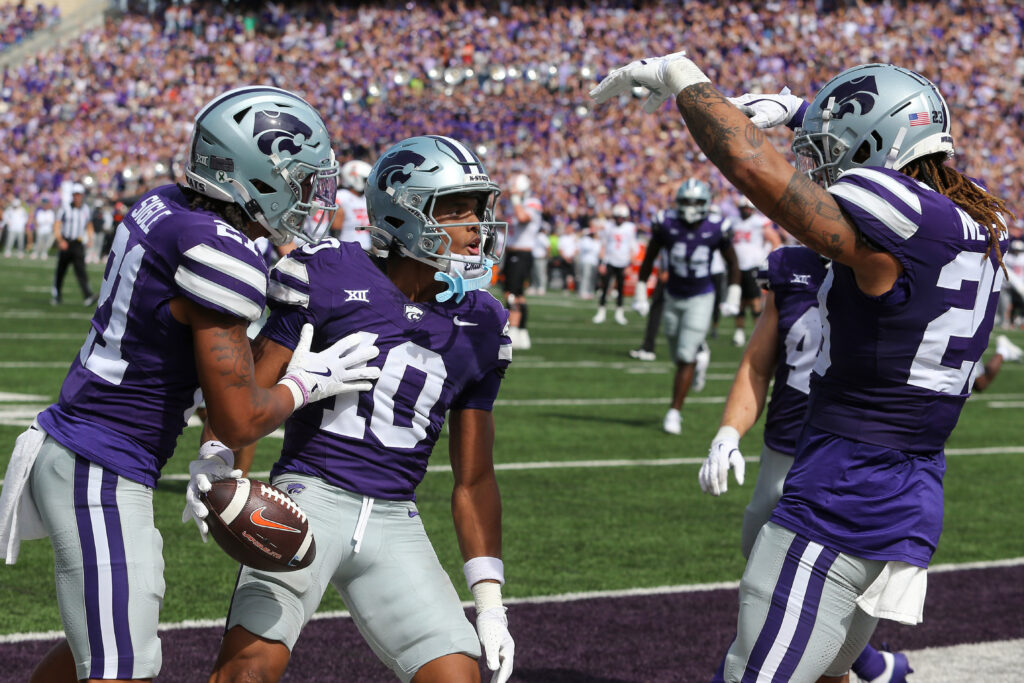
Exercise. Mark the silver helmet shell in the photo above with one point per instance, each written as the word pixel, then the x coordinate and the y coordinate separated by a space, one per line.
pixel 693 199
pixel 872 115
pixel 268 151
pixel 400 194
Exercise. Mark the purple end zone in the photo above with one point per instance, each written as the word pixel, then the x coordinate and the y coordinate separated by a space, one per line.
pixel 650 639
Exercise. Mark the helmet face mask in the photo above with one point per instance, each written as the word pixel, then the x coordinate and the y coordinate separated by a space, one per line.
pixel 872 115
pixel 693 200
pixel 268 151
pixel 402 192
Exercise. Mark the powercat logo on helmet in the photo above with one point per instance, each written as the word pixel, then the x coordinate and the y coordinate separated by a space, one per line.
pixel 276 132
pixel 397 168
pixel 856 96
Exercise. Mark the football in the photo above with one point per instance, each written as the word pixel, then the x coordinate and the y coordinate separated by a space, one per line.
pixel 259 525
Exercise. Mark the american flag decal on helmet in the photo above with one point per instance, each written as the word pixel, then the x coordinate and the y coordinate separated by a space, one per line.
pixel 920 118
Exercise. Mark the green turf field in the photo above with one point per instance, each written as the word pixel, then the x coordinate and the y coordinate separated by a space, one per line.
pixel 575 517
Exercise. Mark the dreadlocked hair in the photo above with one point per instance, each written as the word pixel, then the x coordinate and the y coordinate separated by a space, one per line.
pixel 988 210
pixel 232 213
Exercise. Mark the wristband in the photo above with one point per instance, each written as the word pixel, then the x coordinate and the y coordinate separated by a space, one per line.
pixel 682 73
pixel 299 393
pixel 727 433
pixel 798 118
pixel 483 568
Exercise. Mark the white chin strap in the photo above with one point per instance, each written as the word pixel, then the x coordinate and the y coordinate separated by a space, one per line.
pixel 459 285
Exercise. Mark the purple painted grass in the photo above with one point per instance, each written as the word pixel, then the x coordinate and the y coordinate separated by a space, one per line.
pixel 648 639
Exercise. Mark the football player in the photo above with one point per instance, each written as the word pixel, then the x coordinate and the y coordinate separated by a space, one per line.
pixel 751 232
pixel 353 465
pixel 182 283
pixel 522 237
pixel 907 309
pixel 690 232
pixel 618 245
pixel 350 221
pixel 781 352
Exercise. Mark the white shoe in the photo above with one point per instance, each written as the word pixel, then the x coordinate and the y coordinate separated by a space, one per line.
pixel 620 316
pixel 700 372
pixel 599 316
pixel 673 423
pixel 1008 350
pixel 524 340
pixel 739 337
pixel 642 354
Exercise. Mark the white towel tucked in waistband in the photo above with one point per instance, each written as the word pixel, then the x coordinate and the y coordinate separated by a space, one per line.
pixel 19 519
pixel 897 594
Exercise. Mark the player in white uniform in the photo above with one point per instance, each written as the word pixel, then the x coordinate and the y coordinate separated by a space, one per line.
pixel 522 236
pixel 351 219
pixel 618 247
pixel 752 238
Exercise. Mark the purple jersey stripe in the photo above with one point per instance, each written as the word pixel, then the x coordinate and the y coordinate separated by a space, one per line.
pixel 808 615
pixel 90 576
pixel 776 611
pixel 119 589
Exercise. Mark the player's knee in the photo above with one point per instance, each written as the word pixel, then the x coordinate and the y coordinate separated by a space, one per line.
pixel 247 658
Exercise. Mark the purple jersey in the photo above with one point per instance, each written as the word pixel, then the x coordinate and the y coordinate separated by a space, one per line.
pixel 134 383
pixel 793 274
pixel 433 357
pixel 892 375
pixel 690 248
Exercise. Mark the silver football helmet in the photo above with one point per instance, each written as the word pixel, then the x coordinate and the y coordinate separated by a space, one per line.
pixel 354 174
pixel 872 115
pixel 268 151
pixel 400 195
pixel 694 200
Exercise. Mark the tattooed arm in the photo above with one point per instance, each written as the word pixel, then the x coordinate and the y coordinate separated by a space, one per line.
pixel 743 154
pixel 239 409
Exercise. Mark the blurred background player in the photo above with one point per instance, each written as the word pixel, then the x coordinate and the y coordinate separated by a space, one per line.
pixel 351 219
pixel 15 225
pixel 522 237
pixel 618 246
pixel 916 251
pixel 780 354
pixel 690 233
pixel 541 249
pixel 752 238
pixel 183 282
pixel 588 258
pixel 42 229
pixel 354 464
pixel 563 263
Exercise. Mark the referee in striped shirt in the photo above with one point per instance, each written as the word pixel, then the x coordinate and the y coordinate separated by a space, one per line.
pixel 74 232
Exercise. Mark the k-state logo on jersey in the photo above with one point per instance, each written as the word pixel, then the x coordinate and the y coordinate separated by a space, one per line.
pixel 397 168
pixel 856 96
pixel 413 313
pixel 276 131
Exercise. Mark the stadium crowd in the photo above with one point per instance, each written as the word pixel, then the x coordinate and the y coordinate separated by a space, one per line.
pixel 114 105
pixel 18 21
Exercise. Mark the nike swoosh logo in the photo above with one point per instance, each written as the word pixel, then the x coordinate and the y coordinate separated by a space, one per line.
pixel 326 373
pixel 258 519
pixel 463 323
pixel 413 513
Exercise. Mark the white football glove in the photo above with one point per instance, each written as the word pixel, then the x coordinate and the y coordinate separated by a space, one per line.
pixel 731 306
pixel 215 461
pixel 769 111
pixel 640 303
pixel 663 76
pixel 723 455
pixel 339 369
pixel 492 629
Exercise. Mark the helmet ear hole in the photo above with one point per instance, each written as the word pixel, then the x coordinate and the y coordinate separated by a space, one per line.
pixel 863 152
pixel 263 187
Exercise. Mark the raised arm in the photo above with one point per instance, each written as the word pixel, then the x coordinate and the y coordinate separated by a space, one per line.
pixel 742 153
